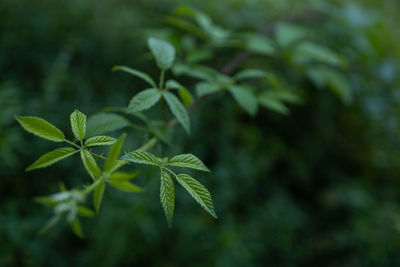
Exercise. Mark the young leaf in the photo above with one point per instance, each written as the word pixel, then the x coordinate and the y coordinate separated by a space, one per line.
pixel 125 186
pixel 123 176
pixel 144 100
pixel 41 128
pixel 83 211
pixel 114 152
pixel 78 124
pixel 136 73
pixel 245 98
pixel 250 74
pixel 188 161
pixel 163 52
pixel 98 196
pixel 186 96
pixel 142 157
pixel 77 228
pixel 102 123
pixel 90 164
pixel 178 110
pixel 52 157
pixel 167 196
pixel 100 141
pixel 198 192
pixel 206 88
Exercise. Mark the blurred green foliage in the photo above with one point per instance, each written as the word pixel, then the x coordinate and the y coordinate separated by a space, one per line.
pixel 318 187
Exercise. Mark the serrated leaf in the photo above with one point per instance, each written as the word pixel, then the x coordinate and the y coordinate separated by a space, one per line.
pixel 41 128
pixel 77 228
pixel 136 73
pixel 178 110
pixel 124 176
pixel 102 123
pixel 250 74
pixel 167 196
pixel 52 157
pixel 142 157
pixel 245 98
pixel 206 88
pixel 125 186
pixel 163 52
pixel 114 152
pixel 100 141
pixel 78 124
pixel 98 196
pixel 83 211
pixel 188 161
pixel 198 192
pixel 144 100
pixel 90 164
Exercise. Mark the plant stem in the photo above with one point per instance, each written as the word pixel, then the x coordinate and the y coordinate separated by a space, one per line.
pixel 72 143
pixel 93 186
pixel 162 77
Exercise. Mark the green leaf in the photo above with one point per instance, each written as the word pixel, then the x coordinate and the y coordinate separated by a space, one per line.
pixel 125 186
pixel 173 84
pixel 198 192
pixel 114 152
pixel 124 176
pixel 46 201
pixel 250 74
pixel 178 110
pixel 186 97
pixel 83 211
pixel 245 98
pixel 308 51
pixel 287 34
pixel 206 88
pixel 90 164
pixel 163 52
pixel 196 71
pixel 41 128
pixel 118 164
pixel 136 73
pixel 188 161
pixel 142 157
pixel 52 157
pixel 144 100
pixel 167 196
pixel 77 228
pixel 100 141
pixel 78 124
pixel 102 123
pixel 259 44
pixel 98 196
pixel 50 223
pixel 269 101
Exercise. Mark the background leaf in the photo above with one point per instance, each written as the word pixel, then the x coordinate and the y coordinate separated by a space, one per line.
pixel 114 152
pixel 98 196
pixel 163 52
pixel 125 186
pixel 102 123
pixel 178 110
pixel 144 100
pixel 245 98
pixel 136 73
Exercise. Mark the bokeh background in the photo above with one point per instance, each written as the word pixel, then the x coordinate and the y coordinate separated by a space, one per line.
pixel 317 187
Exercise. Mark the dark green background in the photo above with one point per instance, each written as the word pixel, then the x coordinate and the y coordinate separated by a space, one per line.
pixel 319 187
